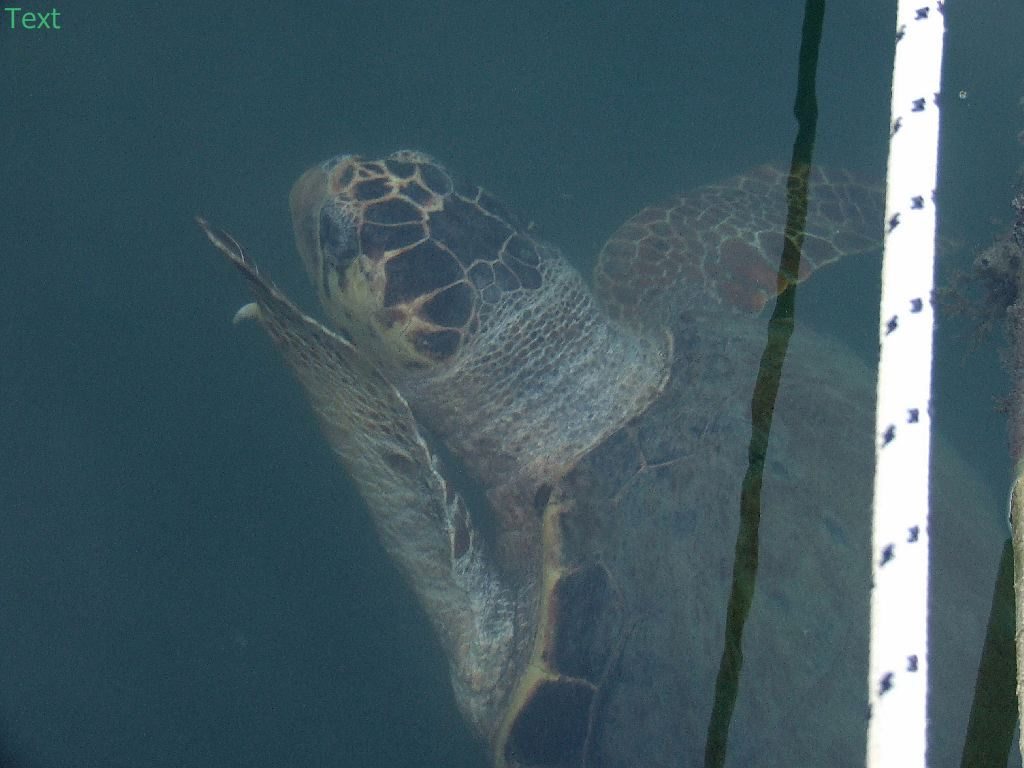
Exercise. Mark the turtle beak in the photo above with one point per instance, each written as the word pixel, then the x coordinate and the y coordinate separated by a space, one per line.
pixel 307 197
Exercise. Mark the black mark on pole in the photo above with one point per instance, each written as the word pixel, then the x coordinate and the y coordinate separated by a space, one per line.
pixel 889 435
pixel 888 553
pixel 885 685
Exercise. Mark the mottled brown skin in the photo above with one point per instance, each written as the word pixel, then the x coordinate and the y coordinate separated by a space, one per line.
pixel 583 609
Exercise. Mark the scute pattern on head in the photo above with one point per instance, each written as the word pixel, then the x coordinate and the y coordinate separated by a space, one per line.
pixel 399 230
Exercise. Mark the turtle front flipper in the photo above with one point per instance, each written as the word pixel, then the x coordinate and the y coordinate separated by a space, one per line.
pixel 425 526
pixel 717 249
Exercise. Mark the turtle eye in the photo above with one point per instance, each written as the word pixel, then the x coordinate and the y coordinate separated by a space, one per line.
pixel 338 243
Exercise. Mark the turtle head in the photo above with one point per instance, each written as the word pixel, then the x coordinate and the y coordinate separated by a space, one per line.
pixel 402 262
pixel 492 336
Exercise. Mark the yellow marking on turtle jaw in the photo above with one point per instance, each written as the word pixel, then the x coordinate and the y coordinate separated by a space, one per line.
pixel 355 303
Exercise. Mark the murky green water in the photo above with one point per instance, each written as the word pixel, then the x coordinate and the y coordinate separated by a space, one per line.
pixel 186 579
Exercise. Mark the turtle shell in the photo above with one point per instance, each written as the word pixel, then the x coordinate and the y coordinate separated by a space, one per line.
pixel 640 540
pixel 640 537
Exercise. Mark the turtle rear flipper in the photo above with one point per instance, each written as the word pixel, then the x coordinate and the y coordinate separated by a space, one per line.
pixel 718 247
pixel 425 526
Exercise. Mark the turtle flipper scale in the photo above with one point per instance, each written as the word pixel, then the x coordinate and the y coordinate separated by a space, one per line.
pixel 425 526
pixel 718 247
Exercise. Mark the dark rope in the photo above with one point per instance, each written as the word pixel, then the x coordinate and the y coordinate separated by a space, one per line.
pixel 762 406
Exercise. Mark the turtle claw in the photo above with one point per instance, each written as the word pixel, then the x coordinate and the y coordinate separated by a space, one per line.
pixel 225 243
pixel 250 311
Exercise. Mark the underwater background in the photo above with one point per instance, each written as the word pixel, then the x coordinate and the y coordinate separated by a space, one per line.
pixel 186 576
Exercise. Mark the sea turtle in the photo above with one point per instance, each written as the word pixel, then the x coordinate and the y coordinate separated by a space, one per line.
pixel 582 601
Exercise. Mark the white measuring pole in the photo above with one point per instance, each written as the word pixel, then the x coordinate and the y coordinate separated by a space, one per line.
pixel 898 667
